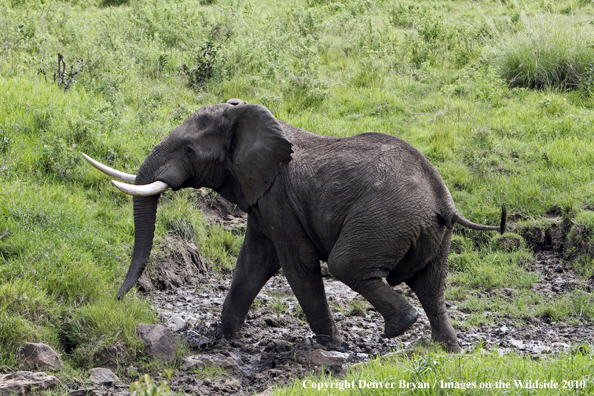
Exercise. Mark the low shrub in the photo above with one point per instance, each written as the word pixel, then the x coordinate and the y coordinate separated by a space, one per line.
pixel 551 52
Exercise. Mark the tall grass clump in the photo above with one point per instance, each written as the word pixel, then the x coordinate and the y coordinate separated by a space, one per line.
pixel 550 52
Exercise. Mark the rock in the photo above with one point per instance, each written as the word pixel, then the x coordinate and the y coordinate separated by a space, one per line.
pixel 229 364
pixel 219 358
pixel 267 358
pixel 39 355
pixel 103 376
pixel 207 360
pixel 25 382
pixel 178 324
pixel 560 345
pixel 159 341
pixel 278 346
pixel 320 357
pixel 190 363
pixel 517 344
pixel 198 341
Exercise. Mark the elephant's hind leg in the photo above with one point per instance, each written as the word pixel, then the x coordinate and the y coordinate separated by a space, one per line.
pixel 429 286
pixel 398 314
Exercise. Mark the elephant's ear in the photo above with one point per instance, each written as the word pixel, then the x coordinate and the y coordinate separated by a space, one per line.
pixel 259 149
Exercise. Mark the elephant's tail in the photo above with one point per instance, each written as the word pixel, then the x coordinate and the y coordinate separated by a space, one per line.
pixel 458 218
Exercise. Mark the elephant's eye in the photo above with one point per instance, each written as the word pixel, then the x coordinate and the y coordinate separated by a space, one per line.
pixel 188 150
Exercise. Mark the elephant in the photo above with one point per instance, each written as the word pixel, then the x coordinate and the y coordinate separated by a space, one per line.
pixel 371 206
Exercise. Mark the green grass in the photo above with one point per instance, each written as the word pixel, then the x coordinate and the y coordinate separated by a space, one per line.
pixel 435 73
pixel 550 51
pixel 429 372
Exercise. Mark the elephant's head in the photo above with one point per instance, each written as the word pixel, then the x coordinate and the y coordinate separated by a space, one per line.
pixel 234 148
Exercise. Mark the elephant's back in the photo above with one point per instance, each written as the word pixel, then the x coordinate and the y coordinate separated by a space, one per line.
pixel 369 180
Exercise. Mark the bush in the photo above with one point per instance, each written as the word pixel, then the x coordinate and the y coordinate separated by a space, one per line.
pixel 205 64
pixel 551 52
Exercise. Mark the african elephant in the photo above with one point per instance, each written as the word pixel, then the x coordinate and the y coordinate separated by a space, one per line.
pixel 370 205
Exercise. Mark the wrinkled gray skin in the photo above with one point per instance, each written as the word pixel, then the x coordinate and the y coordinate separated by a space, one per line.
pixel 371 206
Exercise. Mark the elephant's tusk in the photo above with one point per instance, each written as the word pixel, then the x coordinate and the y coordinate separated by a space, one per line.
pixel 125 177
pixel 143 190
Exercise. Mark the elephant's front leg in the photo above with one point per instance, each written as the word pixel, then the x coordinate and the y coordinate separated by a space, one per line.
pixel 256 263
pixel 301 266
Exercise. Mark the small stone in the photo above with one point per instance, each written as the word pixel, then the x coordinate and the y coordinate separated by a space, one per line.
pixel 103 376
pixel 207 360
pixel 321 357
pixel 229 364
pixel 41 356
pixel 560 345
pixel 159 341
pixel 197 340
pixel 219 358
pixel 207 382
pixel 559 269
pixel 25 382
pixel 190 363
pixel 517 344
pixel 178 324
pixel 283 346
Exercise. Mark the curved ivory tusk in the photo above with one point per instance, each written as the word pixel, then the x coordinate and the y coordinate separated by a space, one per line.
pixel 144 190
pixel 125 177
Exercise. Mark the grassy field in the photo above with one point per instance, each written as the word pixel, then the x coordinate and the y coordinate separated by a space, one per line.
pixel 497 94
pixel 429 372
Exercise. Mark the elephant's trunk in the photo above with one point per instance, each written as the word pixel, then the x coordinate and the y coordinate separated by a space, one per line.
pixel 145 215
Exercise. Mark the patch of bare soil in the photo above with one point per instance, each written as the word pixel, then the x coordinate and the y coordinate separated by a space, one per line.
pixel 275 344
pixel 219 210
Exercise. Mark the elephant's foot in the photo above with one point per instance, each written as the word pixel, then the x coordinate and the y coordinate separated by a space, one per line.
pixel 449 344
pixel 397 326
pixel 446 336
pixel 229 327
pixel 330 343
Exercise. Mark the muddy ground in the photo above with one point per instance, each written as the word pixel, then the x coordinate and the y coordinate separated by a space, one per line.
pixel 275 344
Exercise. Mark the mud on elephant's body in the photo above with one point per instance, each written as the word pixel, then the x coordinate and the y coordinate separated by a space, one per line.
pixel 371 206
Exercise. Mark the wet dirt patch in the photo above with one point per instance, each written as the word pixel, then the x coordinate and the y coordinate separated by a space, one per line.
pixel 274 346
